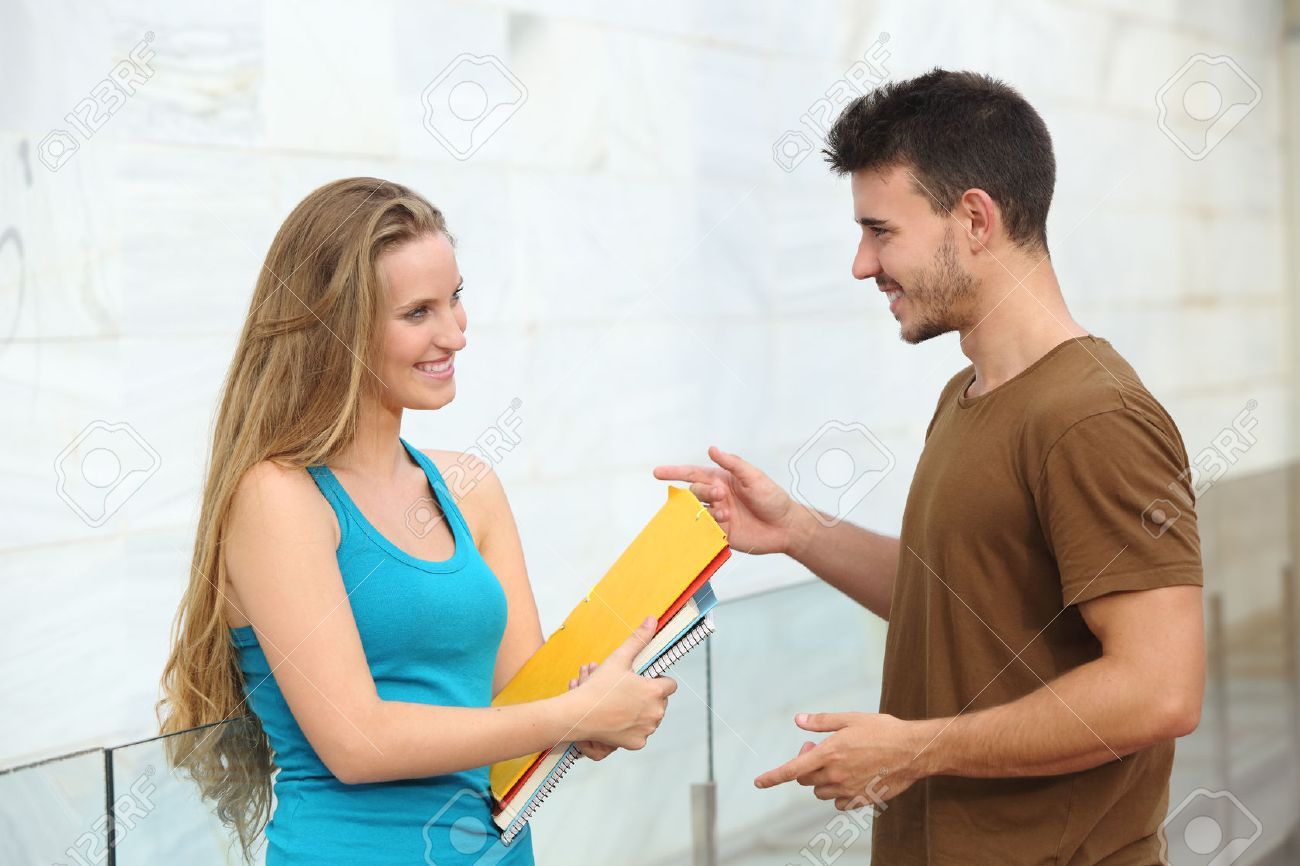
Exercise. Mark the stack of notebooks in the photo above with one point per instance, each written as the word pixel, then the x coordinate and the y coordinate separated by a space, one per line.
pixel 664 572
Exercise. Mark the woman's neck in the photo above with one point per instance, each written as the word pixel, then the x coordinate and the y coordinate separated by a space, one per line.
pixel 377 451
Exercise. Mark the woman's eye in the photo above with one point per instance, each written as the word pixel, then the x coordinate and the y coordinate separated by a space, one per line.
pixel 455 296
pixel 417 313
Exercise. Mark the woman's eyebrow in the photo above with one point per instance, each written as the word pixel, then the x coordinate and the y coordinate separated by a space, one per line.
pixel 419 301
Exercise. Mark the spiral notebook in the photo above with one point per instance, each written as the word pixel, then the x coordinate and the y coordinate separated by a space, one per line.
pixel 546 775
pixel 665 571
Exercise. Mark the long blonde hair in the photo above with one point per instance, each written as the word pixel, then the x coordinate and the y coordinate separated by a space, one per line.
pixel 293 395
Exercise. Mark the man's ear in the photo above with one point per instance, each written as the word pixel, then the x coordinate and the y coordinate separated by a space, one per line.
pixel 980 218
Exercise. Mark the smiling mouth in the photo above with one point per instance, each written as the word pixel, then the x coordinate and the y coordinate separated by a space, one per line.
pixel 437 369
pixel 892 291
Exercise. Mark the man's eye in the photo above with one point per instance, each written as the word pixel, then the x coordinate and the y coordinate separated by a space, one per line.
pixel 878 231
pixel 455 296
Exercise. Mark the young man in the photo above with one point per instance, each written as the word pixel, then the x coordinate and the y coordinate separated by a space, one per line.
pixel 1045 630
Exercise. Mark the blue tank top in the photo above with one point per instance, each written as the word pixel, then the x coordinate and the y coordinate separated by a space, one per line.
pixel 430 631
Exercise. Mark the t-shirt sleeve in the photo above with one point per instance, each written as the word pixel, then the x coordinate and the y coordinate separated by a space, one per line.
pixel 1116 506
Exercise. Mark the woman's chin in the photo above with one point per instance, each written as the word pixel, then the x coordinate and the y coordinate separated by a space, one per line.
pixel 437 401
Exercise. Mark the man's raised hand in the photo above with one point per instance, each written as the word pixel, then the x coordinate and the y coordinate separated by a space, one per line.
pixel 757 515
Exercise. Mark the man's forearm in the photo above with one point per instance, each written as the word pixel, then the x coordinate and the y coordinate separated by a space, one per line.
pixel 1099 712
pixel 859 563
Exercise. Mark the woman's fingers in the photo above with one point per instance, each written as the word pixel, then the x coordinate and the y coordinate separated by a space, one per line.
pixel 597 750
pixel 594 750
pixel 584 673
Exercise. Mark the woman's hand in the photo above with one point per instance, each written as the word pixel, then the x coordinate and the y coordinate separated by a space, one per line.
pixel 592 749
pixel 617 707
pixel 757 515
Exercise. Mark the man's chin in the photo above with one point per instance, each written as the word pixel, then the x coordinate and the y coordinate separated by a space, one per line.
pixel 919 332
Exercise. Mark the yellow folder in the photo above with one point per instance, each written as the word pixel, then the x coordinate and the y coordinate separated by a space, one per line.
pixel 669 559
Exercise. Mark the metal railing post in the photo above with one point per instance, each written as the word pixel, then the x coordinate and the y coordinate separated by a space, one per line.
pixel 110 809
pixel 1218 661
pixel 704 795
pixel 704 824
pixel 1291 670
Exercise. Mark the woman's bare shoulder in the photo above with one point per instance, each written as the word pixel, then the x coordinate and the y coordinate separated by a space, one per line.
pixel 273 505
pixel 273 493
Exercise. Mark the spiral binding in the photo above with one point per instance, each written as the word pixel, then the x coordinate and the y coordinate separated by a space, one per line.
pixel 689 641
pixel 671 656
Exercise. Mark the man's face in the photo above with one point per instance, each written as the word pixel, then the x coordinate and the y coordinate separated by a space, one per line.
pixel 913 253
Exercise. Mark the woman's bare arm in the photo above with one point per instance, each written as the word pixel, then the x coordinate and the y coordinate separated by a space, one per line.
pixel 280 553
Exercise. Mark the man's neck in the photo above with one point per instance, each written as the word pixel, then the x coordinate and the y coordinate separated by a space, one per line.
pixel 1018 325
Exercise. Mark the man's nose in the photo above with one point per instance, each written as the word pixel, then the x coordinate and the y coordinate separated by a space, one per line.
pixel 866 264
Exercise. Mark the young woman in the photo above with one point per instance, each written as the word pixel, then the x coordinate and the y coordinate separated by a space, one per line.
pixel 367 645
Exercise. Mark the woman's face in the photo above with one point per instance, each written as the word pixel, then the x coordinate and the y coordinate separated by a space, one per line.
pixel 423 324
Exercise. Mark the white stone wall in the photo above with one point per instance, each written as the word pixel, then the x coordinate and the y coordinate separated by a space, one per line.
pixel 641 272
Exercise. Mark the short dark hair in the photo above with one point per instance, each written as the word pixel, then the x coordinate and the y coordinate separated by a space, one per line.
pixel 957 131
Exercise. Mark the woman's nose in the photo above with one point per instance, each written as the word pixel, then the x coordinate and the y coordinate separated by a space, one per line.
pixel 450 337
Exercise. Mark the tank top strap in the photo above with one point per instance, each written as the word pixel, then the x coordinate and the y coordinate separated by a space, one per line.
pixel 337 498
pixel 460 527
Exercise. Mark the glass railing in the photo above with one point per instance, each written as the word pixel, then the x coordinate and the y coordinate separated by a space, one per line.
pixel 805 648
pixel 52 812
pixel 127 805
pixel 160 815
pixel 689 796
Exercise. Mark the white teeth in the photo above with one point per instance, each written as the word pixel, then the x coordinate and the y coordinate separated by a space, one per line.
pixel 435 368
pixel 893 295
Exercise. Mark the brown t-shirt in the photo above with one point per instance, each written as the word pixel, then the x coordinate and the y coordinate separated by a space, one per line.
pixel 1063 484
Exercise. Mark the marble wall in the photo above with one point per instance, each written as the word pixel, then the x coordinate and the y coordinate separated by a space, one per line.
pixel 654 260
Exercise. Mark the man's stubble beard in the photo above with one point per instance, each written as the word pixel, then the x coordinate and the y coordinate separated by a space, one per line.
pixel 941 297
